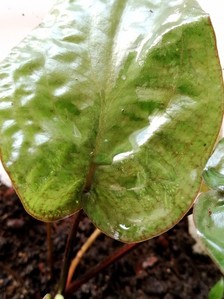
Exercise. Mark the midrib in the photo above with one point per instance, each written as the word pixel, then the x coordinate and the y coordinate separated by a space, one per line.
pixel 114 21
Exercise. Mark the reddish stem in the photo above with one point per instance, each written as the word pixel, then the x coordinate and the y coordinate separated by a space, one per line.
pixel 68 252
pixel 98 268
pixel 50 247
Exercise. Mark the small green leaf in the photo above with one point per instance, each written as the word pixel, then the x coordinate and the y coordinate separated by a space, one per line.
pixel 213 173
pixel 209 221
pixel 113 107
pixel 217 291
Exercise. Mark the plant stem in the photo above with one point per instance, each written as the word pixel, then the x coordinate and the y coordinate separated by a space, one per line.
pixel 49 247
pixel 80 254
pixel 68 252
pixel 89 178
pixel 101 266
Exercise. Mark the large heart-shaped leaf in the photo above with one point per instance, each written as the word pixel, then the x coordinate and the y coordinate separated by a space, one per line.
pixel 114 107
pixel 209 221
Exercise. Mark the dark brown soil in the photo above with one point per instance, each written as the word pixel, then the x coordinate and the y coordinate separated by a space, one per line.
pixel 164 267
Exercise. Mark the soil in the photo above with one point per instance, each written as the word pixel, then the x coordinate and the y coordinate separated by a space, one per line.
pixel 163 267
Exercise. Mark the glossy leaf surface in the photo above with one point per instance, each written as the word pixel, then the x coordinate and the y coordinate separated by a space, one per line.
pixel 209 221
pixel 113 107
pixel 213 173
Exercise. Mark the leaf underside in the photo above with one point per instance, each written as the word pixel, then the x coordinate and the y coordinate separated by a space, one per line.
pixel 209 207
pixel 209 220
pixel 113 107
pixel 213 173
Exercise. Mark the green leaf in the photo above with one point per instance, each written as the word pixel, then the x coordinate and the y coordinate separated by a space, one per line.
pixel 113 107
pixel 213 173
pixel 217 291
pixel 209 221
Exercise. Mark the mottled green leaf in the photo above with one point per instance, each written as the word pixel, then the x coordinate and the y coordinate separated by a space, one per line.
pixel 213 173
pixel 209 221
pixel 217 291
pixel 114 107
